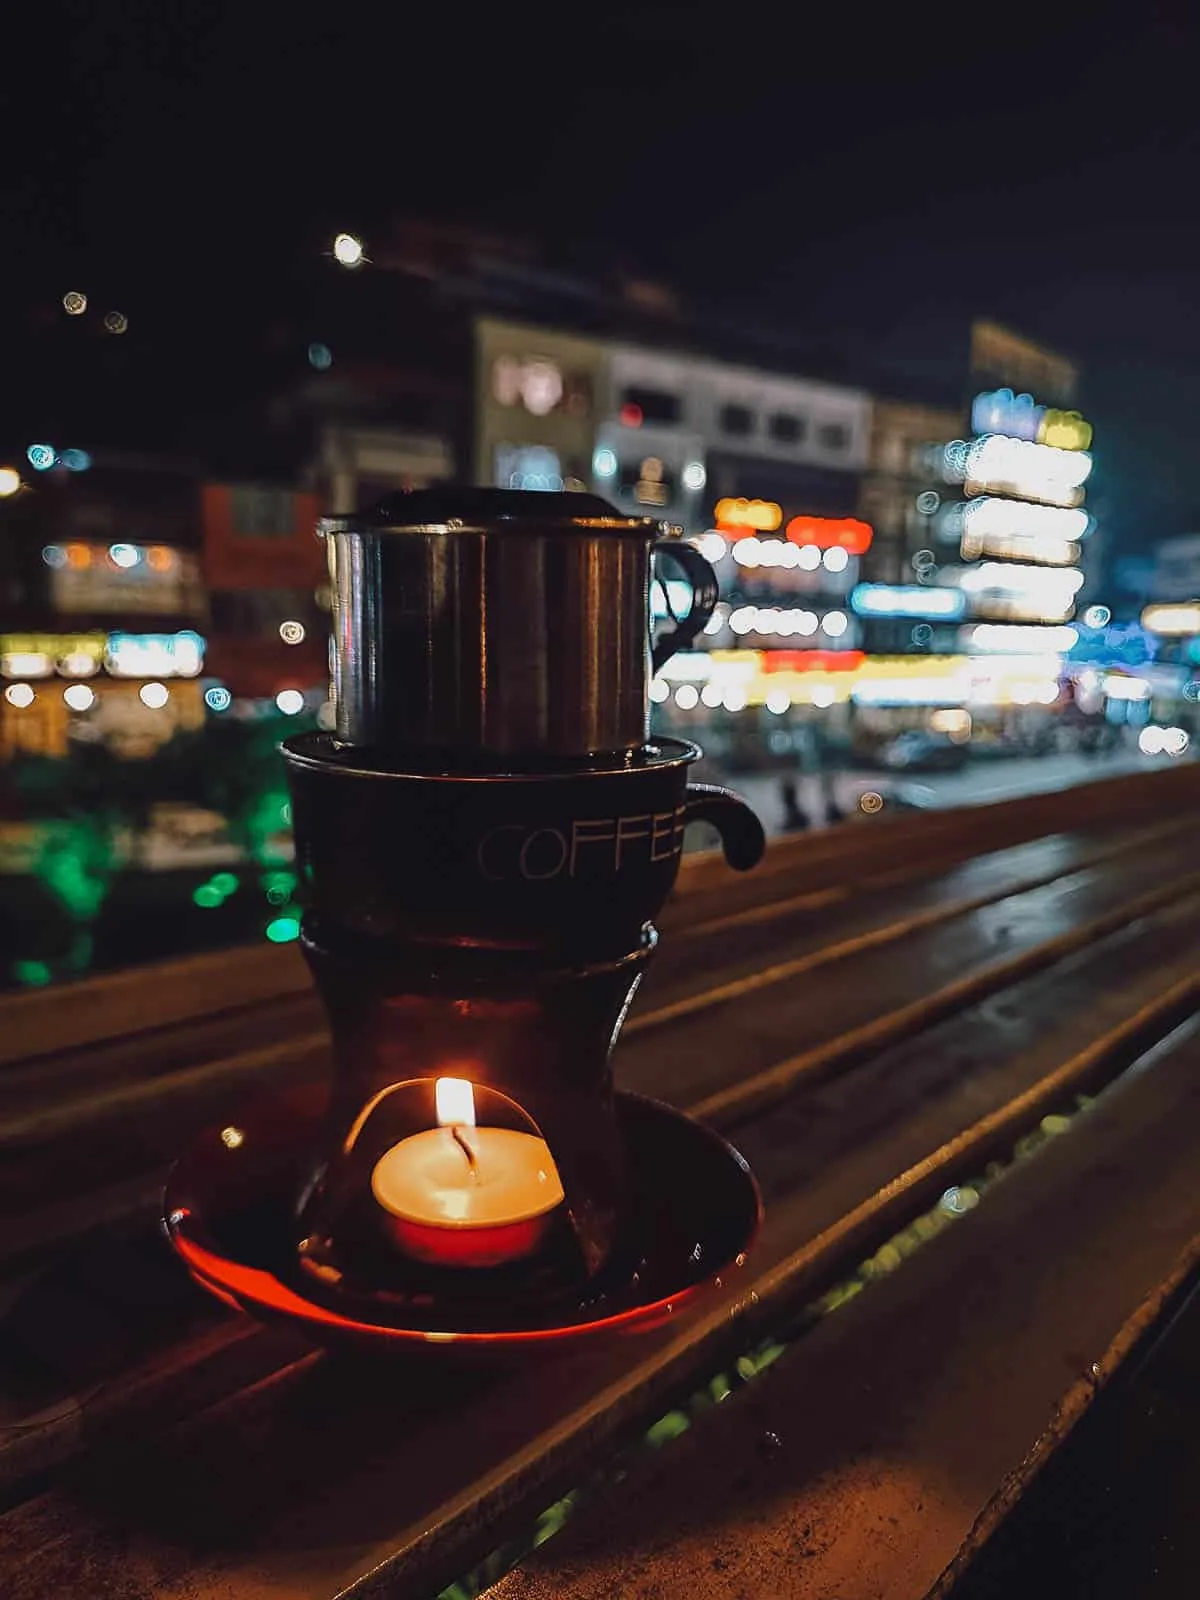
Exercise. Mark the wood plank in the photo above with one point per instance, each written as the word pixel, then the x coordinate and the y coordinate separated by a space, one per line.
pixel 859 1464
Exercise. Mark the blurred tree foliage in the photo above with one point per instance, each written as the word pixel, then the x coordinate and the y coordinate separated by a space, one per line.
pixel 93 802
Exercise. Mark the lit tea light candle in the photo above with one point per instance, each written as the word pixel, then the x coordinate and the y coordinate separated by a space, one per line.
pixel 460 1195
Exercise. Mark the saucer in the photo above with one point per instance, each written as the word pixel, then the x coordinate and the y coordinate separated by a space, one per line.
pixel 230 1211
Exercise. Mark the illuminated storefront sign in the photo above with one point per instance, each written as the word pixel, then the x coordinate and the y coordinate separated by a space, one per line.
pixel 907 600
pixel 742 519
pixel 127 578
pixel 1002 411
pixel 1172 621
pixel 828 533
pixel 1016 416
pixel 1122 688
pixel 154 655
pixel 38 655
pixel 998 638
pixel 1018 593
pixel 1049 552
pixel 958 681
pixel 752 516
pixel 989 515
pixel 1067 430
pixel 735 680
pixel 1015 466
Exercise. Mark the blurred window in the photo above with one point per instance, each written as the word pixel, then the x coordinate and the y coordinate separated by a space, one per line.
pixel 656 405
pixel 262 513
pixel 834 435
pixel 737 420
pixel 785 429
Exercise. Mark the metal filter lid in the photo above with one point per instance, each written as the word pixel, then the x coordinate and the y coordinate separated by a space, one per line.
pixel 496 511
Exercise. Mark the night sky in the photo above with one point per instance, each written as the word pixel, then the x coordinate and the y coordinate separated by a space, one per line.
pixel 874 186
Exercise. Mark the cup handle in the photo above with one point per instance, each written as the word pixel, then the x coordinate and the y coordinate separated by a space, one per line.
pixel 706 591
pixel 742 837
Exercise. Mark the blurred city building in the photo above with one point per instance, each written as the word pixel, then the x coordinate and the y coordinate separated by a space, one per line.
pixel 265 571
pixel 884 562
pixel 537 391
pixel 104 608
pixel 900 609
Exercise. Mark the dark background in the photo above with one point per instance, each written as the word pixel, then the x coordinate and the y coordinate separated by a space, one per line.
pixel 874 182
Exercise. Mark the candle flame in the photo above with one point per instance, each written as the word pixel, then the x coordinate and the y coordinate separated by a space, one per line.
pixel 455 1100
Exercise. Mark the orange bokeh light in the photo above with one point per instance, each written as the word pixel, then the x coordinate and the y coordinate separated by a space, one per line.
pixel 829 533
pixel 812 660
pixel 741 516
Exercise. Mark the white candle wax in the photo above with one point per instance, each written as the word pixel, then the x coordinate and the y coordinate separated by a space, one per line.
pixel 466 1195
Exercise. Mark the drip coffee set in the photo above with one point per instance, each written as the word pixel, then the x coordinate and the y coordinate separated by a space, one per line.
pixel 483 841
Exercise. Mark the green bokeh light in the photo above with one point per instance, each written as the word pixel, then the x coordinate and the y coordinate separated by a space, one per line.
pixel 225 882
pixel 36 974
pixel 207 896
pixel 283 929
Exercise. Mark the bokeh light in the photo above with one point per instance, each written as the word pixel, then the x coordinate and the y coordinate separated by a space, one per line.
pixel 218 698
pixel 292 632
pixel 20 695
pixel 74 303
pixel 290 702
pixel 41 457
pixel 116 322
pixel 348 250
pixel 154 695
pixel 10 482
pixel 79 697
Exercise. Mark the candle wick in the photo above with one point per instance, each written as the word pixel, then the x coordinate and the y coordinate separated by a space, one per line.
pixel 456 1133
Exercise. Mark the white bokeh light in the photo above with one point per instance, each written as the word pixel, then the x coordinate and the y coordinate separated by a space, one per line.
pixel 348 250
